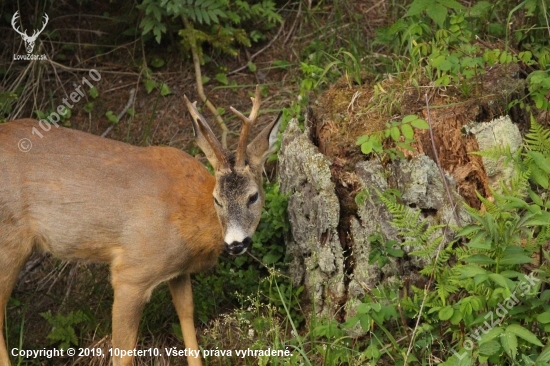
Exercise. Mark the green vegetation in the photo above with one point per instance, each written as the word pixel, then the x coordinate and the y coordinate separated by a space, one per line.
pixel 482 302
pixel 401 132
pixel 486 299
pixel 63 327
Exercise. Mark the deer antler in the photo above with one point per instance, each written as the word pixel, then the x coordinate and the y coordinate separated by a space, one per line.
pixel 13 20
pixel 247 124
pixel 36 33
pixel 205 132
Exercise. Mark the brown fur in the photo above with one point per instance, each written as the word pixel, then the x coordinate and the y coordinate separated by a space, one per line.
pixel 147 211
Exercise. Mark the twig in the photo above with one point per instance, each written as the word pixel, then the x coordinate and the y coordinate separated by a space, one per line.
pixel 121 114
pixel 198 81
pixel 373 7
pixel 271 270
pixel 260 51
pixel 63 67
pixel 30 266
pixel 441 172
pixel 291 31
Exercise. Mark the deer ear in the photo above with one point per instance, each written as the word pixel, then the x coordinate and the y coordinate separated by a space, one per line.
pixel 206 139
pixel 264 144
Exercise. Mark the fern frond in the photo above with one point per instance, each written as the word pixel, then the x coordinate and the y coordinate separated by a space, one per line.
pixel 403 216
pixel 543 236
pixel 538 137
pixel 204 11
pixel 490 207
pixel 496 153
pixel 519 183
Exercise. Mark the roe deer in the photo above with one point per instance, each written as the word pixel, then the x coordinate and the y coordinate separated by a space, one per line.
pixel 153 213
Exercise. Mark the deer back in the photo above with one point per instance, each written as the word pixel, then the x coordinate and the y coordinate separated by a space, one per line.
pixel 83 197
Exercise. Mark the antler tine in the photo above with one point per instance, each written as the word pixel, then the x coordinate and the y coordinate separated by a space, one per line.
pixel 247 125
pixel 46 18
pixel 207 133
pixel 16 28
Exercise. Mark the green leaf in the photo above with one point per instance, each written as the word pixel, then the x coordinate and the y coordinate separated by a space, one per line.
pixel 252 66
pixel 150 84
pixel 536 198
pixel 515 259
pixel 165 90
pixel 436 61
pixel 88 107
pixel 471 270
pixel 539 219
pixel 445 80
pixel 395 252
pixel 539 176
pixel 350 323
pixel 395 133
pixel 446 313
pixel 544 318
pixel 490 335
pixel 521 332
pixel 489 348
pixel 363 308
pixel 222 78
pixel 362 139
pixel 456 318
pixel 445 65
pixel 421 124
pixel 480 241
pixel 93 92
pixel 365 321
pixel 470 229
pixel 499 280
pixel 510 344
pixel 544 355
pixel 480 8
pixel 409 118
pixel 271 258
pixel 541 161
pixel 438 13
pixel 377 144
pixel 157 62
pixel 372 352
pixel 417 7
pixel 366 147
pixel 480 278
pixel 407 131
pixel 453 4
pixel 113 118
pixel 479 259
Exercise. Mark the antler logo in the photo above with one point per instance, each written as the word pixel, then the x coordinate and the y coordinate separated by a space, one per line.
pixel 29 40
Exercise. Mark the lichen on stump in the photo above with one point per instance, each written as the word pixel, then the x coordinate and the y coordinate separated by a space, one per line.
pixel 323 170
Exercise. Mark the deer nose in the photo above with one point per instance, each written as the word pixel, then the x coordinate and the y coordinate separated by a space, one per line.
pixel 238 247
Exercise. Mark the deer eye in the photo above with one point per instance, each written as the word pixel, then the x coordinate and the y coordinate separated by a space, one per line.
pixel 252 199
pixel 217 202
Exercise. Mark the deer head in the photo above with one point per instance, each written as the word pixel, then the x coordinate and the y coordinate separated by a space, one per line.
pixel 238 195
pixel 29 40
